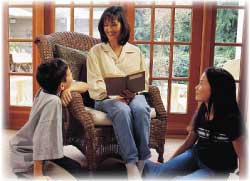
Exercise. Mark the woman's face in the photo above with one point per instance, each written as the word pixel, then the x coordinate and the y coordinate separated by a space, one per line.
pixel 112 29
pixel 203 90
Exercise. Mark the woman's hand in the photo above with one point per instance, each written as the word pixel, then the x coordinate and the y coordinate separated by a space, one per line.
pixel 66 97
pixel 127 95
pixel 121 99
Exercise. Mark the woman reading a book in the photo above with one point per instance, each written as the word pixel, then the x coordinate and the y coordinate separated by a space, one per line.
pixel 130 113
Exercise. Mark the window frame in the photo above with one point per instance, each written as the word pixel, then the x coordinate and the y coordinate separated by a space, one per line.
pixel 17 115
pixel 177 122
pixel 209 35
pixel 51 6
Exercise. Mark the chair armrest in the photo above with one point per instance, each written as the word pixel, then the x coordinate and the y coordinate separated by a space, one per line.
pixel 154 99
pixel 78 111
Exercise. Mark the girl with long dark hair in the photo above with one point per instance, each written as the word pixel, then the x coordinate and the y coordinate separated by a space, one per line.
pixel 214 143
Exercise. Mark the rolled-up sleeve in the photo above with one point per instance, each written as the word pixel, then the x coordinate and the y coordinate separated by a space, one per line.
pixel 97 87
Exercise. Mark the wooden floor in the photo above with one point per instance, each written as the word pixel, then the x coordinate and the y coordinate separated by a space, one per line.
pixel 109 169
pixel 108 166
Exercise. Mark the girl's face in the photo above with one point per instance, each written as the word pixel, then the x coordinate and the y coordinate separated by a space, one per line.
pixel 203 90
pixel 112 29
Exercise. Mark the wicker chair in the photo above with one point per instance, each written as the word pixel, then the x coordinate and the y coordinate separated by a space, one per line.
pixel 97 142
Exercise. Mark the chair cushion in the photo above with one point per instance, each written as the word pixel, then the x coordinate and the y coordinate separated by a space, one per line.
pixel 75 58
pixel 101 119
pixel 77 62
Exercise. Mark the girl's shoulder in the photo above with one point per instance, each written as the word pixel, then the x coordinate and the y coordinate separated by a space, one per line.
pixel 231 117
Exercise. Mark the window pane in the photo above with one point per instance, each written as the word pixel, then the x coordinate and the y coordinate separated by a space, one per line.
pixel 142 23
pixel 179 97
pixel 161 61
pixel 62 19
pixel 101 1
pixel 145 51
pixel 81 20
pixel 163 87
pixel 62 2
pixel 20 2
pixel 162 27
pixel 229 58
pixel 181 2
pixel 21 90
pixel 233 66
pixel 229 25
pixel 20 56
pixel 20 23
pixel 182 24
pixel 181 61
pixel 82 2
pixel 143 2
pixel 96 17
pixel 231 2
pixel 163 2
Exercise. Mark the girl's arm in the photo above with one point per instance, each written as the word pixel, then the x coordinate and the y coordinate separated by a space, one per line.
pixel 240 151
pixel 189 141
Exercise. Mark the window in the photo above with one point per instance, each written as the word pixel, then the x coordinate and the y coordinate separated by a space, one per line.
pixel 179 39
pixel 229 37
pixel 79 16
pixel 20 55
pixel 166 30
pixel 24 22
pixel 164 33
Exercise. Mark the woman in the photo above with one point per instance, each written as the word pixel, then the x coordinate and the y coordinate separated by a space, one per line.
pixel 130 114
pixel 215 139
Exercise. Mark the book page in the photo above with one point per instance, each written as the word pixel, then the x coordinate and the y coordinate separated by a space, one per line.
pixel 136 76
pixel 136 82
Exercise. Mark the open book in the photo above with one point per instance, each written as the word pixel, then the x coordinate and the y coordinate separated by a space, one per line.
pixel 134 82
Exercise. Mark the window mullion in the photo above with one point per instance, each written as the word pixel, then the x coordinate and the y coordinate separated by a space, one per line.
pixel 72 24
pixel 151 55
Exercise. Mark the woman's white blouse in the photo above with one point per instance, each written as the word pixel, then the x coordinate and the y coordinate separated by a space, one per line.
pixel 103 62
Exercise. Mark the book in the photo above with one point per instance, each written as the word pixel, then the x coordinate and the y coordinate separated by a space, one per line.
pixel 134 82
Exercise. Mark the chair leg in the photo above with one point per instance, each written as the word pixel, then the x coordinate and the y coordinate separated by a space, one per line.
pixel 160 151
pixel 92 166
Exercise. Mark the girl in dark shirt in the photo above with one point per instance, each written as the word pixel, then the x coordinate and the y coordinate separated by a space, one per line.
pixel 215 136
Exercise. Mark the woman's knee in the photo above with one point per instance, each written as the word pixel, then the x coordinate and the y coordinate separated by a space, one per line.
pixel 119 109
pixel 140 109
pixel 124 109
